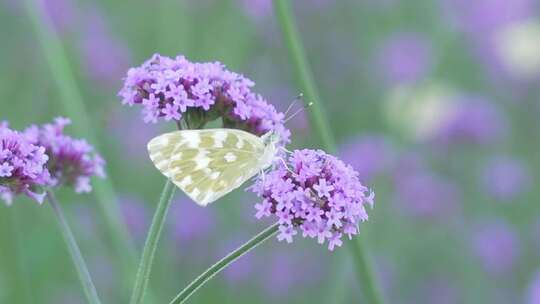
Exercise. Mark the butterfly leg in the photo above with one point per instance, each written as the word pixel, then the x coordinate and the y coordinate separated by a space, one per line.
pixel 285 150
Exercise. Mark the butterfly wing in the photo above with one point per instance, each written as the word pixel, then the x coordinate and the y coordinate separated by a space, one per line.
pixel 207 164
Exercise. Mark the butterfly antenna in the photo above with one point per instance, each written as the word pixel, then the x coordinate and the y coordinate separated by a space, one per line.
pixel 285 150
pixel 286 166
pixel 298 111
pixel 295 100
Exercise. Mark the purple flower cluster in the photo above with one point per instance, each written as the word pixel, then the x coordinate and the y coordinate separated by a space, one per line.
pixel 176 89
pixel 475 120
pixel 316 193
pixel 405 58
pixel 505 178
pixel 497 246
pixel 22 166
pixel 72 161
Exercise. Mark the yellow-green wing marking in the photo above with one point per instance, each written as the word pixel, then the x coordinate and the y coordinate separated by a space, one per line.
pixel 207 164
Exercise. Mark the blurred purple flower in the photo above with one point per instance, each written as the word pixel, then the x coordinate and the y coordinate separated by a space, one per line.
pixel 72 162
pixel 135 215
pixel 23 166
pixel 86 221
pixel 103 55
pixel 257 9
pixel 132 134
pixel 533 293
pixel 483 17
pixel 369 155
pixel 420 192
pixel 242 268
pixel 404 58
pixel 496 245
pixel 190 222
pixel 61 13
pixel 438 290
pixel 483 21
pixel 317 194
pixel 104 274
pixel 504 178
pixel 475 120
pixel 199 92
pixel 285 271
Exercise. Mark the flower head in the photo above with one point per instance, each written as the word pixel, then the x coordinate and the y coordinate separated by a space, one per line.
pixel 72 161
pixel 370 155
pixel 22 166
pixel 504 178
pixel 405 58
pixel 497 246
pixel 473 120
pixel 315 193
pixel 177 89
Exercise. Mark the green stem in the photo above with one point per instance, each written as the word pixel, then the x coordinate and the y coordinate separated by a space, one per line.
pixel 22 277
pixel 75 252
pixel 303 74
pixel 150 246
pixel 72 101
pixel 221 264
pixel 319 120
pixel 365 272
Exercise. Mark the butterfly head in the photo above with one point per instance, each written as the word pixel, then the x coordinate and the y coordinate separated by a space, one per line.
pixel 271 143
pixel 271 138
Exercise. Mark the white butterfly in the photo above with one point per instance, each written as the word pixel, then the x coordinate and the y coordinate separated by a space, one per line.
pixel 207 164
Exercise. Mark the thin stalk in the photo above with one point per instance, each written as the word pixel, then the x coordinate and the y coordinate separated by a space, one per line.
pixel 72 101
pixel 364 270
pixel 303 74
pixel 223 263
pixel 74 251
pixel 74 106
pixel 22 278
pixel 150 246
pixel 321 126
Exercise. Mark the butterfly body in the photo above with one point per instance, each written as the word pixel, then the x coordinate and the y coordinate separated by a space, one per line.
pixel 207 164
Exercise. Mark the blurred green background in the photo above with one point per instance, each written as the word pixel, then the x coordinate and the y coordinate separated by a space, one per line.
pixel 435 103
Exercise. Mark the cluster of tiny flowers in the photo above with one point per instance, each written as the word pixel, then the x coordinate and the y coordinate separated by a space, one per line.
pixel 315 193
pixel 176 89
pixel 72 161
pixel 22 166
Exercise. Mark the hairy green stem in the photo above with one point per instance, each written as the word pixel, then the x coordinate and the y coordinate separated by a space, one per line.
pixel 320 123
pixel 150 246
pixel 74 251
pixel 223 263
pixel 73 104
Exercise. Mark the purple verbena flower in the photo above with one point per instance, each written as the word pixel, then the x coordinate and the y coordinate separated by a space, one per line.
pixel 421 192
pixel 370 155
pixel 533 293
pixel 197 226
pixel 135 215
pixel 474 120
pixel 177 89
pixel 22 166
pixel 72 161
pixel 504 178
pixel 316 193
pixel 405 58
pixel 497 246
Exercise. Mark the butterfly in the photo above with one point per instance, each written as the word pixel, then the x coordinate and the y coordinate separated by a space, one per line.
pixel 207 164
